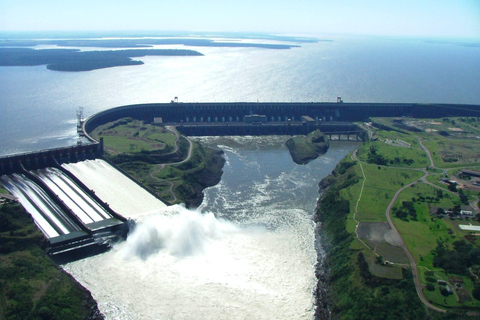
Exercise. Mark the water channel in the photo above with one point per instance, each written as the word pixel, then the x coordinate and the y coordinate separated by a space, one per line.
pixel 247 253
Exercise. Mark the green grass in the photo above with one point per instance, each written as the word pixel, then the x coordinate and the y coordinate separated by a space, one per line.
pixel 389 152
pixel 132 136
pixel 449 153
pixel 394 135
pixel 421 236
pixel 380 187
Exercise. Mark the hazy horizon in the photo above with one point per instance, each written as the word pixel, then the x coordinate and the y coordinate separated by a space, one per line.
pixel 407 18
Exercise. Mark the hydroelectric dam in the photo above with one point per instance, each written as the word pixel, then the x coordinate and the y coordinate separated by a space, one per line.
pixel 57 186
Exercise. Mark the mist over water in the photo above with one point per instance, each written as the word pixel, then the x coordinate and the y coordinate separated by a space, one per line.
pixel 185 233
pixel 247 253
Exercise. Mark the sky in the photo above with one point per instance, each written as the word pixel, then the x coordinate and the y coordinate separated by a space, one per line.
pixel 424 18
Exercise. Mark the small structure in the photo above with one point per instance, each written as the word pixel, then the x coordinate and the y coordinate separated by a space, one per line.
pixel 339 100
pixel 157 120
pixel 255 118
pixel 307 119
pixel 469 227
pixel 466 213
pixel 471 173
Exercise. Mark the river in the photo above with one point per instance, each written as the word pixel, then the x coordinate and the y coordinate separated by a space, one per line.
pixel 247 253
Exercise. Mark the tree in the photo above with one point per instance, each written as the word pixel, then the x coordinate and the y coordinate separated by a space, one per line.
pixel 452 187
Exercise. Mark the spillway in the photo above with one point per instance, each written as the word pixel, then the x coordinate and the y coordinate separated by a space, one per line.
pixel 120 192
pixel 69 214
pixel 70 193
pixel 48 216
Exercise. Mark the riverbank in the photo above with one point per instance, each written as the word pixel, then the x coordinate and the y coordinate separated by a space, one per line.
pixel 382 221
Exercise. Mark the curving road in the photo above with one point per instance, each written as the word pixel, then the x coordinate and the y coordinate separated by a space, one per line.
pixel 411 260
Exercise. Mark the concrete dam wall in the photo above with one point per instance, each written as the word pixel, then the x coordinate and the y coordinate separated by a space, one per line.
pixel 277 118
pixel 235 112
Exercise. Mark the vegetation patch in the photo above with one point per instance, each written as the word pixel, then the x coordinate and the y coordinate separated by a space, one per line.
pixel 427 216
pixel 31 285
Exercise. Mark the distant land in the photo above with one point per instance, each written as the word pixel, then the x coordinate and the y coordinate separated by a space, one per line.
pixel 140 43
pixel 14 51
pixel 76 60
pixel 148 35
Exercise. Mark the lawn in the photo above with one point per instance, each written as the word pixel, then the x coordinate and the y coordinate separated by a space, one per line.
pixel 394 156
pixel 394 135
pixel 132 136
pixel 381 185
pixel 448 153
pixel 421 235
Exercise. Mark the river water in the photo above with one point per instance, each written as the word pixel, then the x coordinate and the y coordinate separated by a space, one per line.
pixel 247 253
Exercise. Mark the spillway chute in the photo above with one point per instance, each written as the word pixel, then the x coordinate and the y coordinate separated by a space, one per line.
pixel 70 216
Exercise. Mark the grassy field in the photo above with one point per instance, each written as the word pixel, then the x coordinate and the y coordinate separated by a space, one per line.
pixel 449 153
pixel 453 146
pixel 132 136
pixel 393 155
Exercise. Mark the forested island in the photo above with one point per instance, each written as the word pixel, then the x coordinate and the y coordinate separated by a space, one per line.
pixel 17 49
pixel 133 40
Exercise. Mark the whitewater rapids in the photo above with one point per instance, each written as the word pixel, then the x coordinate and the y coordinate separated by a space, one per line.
pixel 181 264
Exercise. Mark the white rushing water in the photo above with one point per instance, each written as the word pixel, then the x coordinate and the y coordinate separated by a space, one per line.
pixel 122 194
pixel 74 198
pixel 48 216
pixel 247 253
